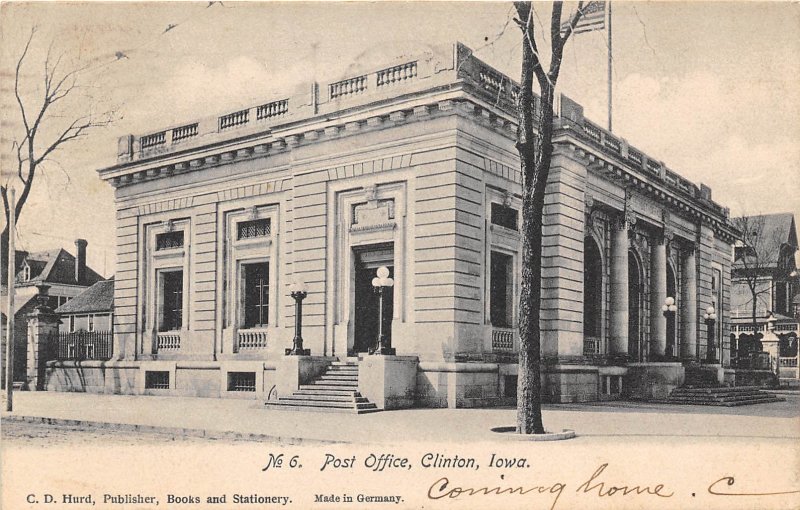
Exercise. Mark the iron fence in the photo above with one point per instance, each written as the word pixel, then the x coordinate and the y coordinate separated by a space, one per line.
pixel 85 345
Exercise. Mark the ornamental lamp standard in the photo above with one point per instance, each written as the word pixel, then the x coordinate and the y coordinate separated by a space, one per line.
pixel 711 318
pixel 380 283
pixel 669 310
pixel 298 291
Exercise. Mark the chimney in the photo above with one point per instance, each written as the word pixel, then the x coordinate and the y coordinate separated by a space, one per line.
pixel 80 260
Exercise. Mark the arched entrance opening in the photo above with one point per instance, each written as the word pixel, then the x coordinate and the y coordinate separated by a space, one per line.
pixel 592 296
pixel 634 307
pixel 672 291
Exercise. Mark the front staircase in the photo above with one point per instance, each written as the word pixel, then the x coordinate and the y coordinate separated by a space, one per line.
pixel 335 391
pixel 720 396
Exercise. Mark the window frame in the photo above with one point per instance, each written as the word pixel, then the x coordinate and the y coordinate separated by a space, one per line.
pixel 242 290
pixel 157 262
pixel 236 254
pixel 161 300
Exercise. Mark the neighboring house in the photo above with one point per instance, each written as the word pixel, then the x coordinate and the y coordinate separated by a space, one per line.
pixel 86 325
pixel 66 275
pixel 766 258
pixel 90 311
pixel 410 166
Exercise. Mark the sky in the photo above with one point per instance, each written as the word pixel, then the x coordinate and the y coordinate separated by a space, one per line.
pixel 712 89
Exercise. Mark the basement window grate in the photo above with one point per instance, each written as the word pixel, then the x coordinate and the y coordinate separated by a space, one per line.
pixel 156 380
pixel 241 381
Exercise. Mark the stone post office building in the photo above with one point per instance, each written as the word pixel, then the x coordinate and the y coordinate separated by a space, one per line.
pixel 411 166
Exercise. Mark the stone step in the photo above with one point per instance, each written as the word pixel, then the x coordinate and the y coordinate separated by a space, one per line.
pixel 333 393
pixel 737 398
pixel 339 376
pixel 279 407
pixel 344 369
pixel 330 385
pixel 338 405
pixel 730 389
pixel 724 404
pixel 324 398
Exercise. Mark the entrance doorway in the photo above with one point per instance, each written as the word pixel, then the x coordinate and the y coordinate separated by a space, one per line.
pixel 366 300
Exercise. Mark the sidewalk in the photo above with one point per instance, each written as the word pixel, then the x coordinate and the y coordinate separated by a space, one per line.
pixel 248 419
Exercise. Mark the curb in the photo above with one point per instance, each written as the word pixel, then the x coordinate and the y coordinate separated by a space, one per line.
pixel 179 431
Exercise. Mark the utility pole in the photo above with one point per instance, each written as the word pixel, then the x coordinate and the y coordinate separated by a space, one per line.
pixel 12 220
pixel 610 93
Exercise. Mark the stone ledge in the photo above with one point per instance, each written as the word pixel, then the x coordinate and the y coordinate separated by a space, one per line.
pixel 511 433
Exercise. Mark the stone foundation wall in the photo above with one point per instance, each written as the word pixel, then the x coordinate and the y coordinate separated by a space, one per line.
pixel 568 383
pixel 653 380
pixel 742 377
pixel 186 379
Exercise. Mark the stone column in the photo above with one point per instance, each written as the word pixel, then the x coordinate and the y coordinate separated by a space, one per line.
pixel 618 341
pixel 689 307
pixel 658 293
pixel 42 340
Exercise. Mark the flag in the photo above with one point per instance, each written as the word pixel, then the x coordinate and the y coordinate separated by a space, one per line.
pixel 593 18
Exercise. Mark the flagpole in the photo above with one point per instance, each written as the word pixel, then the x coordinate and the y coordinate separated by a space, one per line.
pixel 609 69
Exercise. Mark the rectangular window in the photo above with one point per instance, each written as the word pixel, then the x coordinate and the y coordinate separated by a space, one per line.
pixel 156 380
pixel 71 323
pixel 504 216
pixel 256 294
pixel 89 351
pixel 172 303
pixel 781 300
pixel 91 323
pixel 62 300
pixel 501 290
pixel 241 381
pixel 169 240
pixel 510 387
pixel 252 229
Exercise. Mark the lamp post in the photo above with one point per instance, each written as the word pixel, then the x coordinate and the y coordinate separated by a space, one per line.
pixel 711 318
pixel 380 283
pixel 669 310
pixel 298 292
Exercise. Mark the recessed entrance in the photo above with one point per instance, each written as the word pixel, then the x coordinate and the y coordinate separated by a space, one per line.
pixel 367 260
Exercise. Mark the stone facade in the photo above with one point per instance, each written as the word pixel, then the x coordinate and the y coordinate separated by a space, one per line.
pixel 411 166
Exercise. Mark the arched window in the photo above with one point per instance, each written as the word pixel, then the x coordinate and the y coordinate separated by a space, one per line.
pixel 634 307
pixel 592 296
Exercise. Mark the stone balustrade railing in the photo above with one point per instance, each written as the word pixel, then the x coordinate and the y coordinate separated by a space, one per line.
pixel 272 110
pixel 234 119
pixel 168 341
pixel 184 132
pixel 502 339
pixel 153 140
pixel 591 345
pixel 252 339
pixel 396 74
pixel 348 87
pixel 438 68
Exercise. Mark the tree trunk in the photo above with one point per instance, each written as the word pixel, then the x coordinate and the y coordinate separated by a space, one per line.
pixel 535 151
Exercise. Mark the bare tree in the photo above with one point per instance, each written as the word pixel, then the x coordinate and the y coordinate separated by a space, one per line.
pixel 44 128
pixel 535 147
pixel 759 258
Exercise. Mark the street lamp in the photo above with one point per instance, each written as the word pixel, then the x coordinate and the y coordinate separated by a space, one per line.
pixel 710 317
pixel 298 291
pixel 380 283
pixel 669 310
